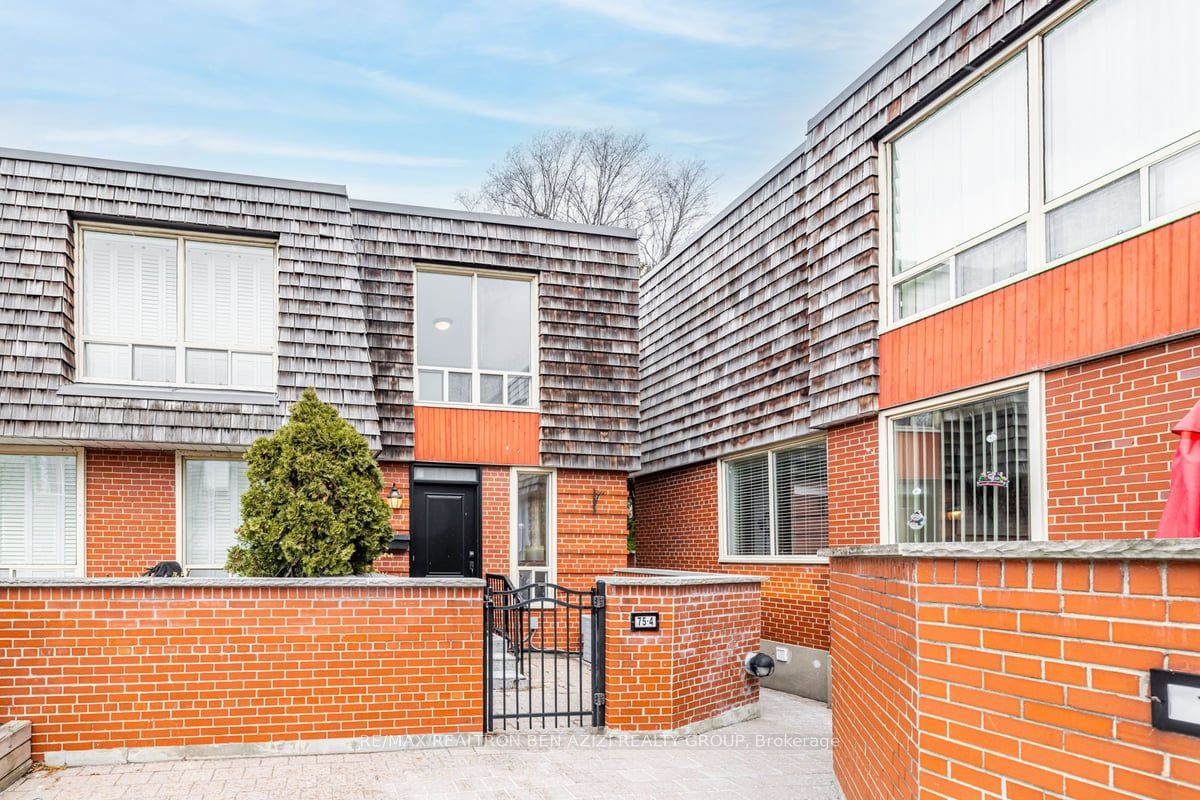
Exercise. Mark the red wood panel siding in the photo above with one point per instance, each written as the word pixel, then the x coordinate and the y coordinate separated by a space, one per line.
pixel 1140 290
pixel 476 436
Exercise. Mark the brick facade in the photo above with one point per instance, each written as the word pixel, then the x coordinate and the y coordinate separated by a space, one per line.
pixel 1015 678
pixel 1109 442
pixel 690 670
pixel 138 666
pixel 677 528
pixel 129 522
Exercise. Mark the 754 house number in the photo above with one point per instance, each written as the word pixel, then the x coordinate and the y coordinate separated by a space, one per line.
pixel 643 621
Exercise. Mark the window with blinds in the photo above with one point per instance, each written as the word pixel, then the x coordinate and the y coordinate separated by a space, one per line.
pixel 167 309
pixel 38 514
pixel 776 503
pixel 212 511
pixel 962 473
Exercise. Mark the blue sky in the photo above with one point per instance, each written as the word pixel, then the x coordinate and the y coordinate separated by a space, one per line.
pixel 412 101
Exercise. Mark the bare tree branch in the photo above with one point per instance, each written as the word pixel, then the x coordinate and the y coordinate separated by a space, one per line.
pixel 599 177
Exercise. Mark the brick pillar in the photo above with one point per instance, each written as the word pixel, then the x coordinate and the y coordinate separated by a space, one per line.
pixel 688 675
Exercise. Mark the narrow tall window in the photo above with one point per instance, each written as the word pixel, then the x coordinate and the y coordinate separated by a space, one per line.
pixel 475 339
pixel 534 528
pixel 38 515
pixel 163 309
pixel 963 473
pixel 776 503
pixel 212 512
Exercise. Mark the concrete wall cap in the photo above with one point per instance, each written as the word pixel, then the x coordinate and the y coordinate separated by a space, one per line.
pixel 1078 549
pixel 656 578
pixel 348 582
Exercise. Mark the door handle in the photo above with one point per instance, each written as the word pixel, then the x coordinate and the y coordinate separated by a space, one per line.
pixel 471 561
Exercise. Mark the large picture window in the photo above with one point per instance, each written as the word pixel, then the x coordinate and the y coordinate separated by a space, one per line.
pixel 776 503
pixel 168 309
pixel 1028 166
pixel 39 515
pixel 475 339
pixel 964 472
pixel 212 512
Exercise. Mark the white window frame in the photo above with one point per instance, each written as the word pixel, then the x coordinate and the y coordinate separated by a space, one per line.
pixel 552 522
pixel 181 344
pixel 181 458
pixel 1038 207
pixel 80 566
pixel 475 370
pixel 724 555
pixel 1034 384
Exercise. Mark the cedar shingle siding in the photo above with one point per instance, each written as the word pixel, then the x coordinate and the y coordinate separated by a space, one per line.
pixel 767 322
pixel 345 307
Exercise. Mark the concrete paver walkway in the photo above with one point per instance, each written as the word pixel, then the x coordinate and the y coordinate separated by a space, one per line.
pixel 785 753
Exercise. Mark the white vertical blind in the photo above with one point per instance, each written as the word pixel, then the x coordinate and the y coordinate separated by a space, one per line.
pixel 212 509
pixel 962 473
pixel 1122 79
pixel 38 510
pixel 748 496
pixel 964 170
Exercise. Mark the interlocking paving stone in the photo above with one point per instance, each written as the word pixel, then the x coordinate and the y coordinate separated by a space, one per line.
pixel 786 752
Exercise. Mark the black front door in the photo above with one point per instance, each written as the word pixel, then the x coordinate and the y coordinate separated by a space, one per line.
pixel 445 530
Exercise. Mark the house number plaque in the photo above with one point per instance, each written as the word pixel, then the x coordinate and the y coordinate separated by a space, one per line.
pixel 643 621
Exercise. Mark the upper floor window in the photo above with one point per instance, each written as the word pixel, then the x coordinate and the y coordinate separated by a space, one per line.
pixel 964 470
pixel 173 309
pixel 775 504
pixel 475 339
pixel 1032 164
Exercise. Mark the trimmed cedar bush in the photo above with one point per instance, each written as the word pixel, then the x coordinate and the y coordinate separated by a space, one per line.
pixel 313 505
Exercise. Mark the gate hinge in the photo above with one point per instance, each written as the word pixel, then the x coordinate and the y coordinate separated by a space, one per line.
pixel 597 601
pixel 598 699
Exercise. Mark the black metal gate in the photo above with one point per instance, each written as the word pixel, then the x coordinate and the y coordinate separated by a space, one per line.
pixel 543 656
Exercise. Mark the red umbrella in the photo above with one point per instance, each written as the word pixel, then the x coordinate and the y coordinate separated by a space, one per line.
pixel 1181 517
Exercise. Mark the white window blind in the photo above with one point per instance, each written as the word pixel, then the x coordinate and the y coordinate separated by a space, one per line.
pixel 135 291
pixel 801 500
pixel 212 509
pixel 748 495
pixel 38 511
pixel 1120 83
pixel 962 473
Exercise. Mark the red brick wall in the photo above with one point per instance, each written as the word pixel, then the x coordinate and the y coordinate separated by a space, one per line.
pixel 677 528
pixel 688 671
pixel 497 528
pixel 130 519
pixel 107 667
pixel 1108 440
pixel 591 543
pixel 396 472
pixel 1030 676
pixel 873 627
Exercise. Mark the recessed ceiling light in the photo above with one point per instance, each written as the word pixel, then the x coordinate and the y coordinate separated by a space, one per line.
pixel 442 324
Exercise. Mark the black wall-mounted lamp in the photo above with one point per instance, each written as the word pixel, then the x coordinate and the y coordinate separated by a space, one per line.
pixel 394 498
pixel 759 665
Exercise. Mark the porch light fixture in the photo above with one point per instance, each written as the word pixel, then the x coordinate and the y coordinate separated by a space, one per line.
pixel 759 665
pixel 442 324
pixel 394 499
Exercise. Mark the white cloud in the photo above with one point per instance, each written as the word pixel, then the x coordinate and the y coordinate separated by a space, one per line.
pixel 230 145
pixel 714 24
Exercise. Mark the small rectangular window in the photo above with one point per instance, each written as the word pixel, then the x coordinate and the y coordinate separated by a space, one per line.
pixel 533 527
pixel 963 473
pixel 1107 212
pixel 776 503
pixel 39 511
pixel 1175 183
pixel 474 339
pixel 212 511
